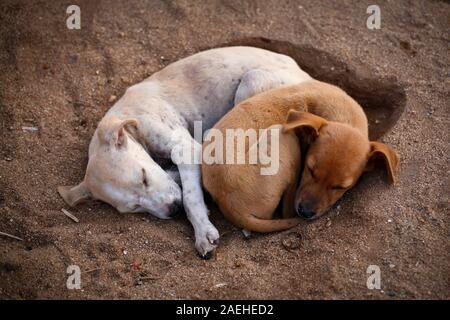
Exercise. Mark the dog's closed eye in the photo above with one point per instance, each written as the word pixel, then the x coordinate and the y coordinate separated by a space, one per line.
pixel 344 185
pixel 144 178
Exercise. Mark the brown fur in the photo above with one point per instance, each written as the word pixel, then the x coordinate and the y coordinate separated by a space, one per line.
pixel 321 115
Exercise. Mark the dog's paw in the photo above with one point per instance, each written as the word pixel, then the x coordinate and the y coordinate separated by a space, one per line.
pixel 206 240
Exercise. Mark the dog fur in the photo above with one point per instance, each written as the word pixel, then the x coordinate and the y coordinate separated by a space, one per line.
pixel 313 114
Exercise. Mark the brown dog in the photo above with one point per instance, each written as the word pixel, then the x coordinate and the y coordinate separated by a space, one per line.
pixel 324 118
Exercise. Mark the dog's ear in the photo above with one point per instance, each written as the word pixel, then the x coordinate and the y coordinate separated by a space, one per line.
pixel 379 152
pixel 301 121
pixel 75 195
pixel 112 131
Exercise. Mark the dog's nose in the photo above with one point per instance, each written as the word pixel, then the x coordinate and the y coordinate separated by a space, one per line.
pixel 174 209
pixel 304 212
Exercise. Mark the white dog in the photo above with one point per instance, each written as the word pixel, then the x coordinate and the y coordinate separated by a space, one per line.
pixel 155 118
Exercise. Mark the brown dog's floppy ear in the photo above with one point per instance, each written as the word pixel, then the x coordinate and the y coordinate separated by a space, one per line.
pixel 304 120
pixel 74 195
pixel 380 151
pixel 111 131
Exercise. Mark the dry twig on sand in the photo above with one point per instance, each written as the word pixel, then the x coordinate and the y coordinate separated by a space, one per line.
pixel 10 236
pixel 71 216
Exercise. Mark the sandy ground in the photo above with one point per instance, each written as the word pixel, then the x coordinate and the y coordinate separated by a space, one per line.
pixel 62 82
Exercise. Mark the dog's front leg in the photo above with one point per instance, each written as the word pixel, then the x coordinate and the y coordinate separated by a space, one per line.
pixel 206 235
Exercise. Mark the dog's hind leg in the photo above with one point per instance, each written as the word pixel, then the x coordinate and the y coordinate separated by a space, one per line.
pixel 257 80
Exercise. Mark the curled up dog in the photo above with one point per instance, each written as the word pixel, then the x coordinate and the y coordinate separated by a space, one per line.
pixel 315 118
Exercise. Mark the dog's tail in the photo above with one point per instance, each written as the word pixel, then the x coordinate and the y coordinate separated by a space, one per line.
pixel 255 224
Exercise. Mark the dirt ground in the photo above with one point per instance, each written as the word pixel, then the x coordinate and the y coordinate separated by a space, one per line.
pixel 62 82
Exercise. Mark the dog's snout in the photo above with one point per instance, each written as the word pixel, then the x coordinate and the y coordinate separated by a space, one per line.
pixel 174 209
pixel 305 212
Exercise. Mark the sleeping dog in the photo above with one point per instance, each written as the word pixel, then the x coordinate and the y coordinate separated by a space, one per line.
pixel 314 114
pixel 153 122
